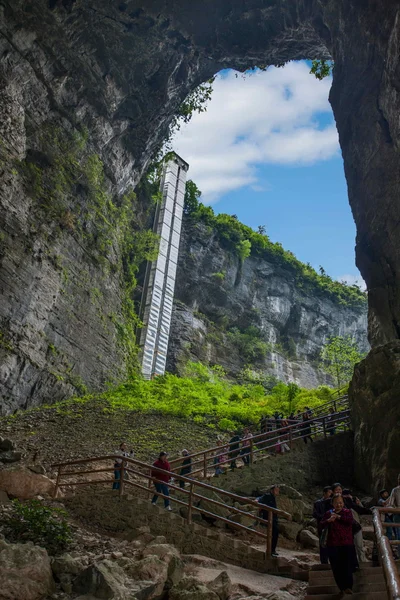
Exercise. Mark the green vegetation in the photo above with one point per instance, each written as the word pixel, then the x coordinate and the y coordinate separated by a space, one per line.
pixel 321 68
pixel 32 521
pixel 204 394
pixel 339 356
pixel 244 241
pixel 249 343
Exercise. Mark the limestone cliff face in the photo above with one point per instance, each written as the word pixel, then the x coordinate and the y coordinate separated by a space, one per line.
pixel 215 292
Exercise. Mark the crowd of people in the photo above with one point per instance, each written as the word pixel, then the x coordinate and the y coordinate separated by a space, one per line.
pixel 337 514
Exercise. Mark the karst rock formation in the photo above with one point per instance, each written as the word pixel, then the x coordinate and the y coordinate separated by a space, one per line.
pixel 120 69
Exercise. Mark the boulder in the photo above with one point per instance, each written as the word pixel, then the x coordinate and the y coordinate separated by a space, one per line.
pixel 20 482
pixel 221 585
pixel 37 469
pixel 294 506
pixel 102 580
pixel 308 539
pixel 11 456
pixel 151 569
pixel 25 572
pixel 66 564
pixel 164 552
pixel 4 499
pixel 107 580
pixel 289 529
pixel 6 444
pixel 190 588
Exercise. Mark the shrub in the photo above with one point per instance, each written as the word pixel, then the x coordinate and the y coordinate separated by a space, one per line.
pixel 227 425
pixel 34 522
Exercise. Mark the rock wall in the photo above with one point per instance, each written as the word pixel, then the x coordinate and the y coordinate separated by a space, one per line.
pixel 215 292
pixel 374 399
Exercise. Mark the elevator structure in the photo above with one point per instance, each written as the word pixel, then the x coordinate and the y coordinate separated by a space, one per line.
pixel 159 283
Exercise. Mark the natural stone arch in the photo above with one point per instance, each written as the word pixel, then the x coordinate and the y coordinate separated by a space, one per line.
pixel 121 68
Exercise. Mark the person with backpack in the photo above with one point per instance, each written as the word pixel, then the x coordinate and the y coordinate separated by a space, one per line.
pixel 161 480
pixel 234 449
pixel 246 446
pixel 120 463
pixel 269 499
pixel 186 467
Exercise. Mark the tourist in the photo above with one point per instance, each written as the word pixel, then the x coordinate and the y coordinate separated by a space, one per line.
pixel 318 513
pixel 306 428
pixel 394 502
pixel 331 422
pixel 338 525
pixel 357 509
pixel 234 449
pixel 219 458
pixel 120 463
pixel 270 500
pixel 388 518
pixel 246 446
pixel 161 480
pixel 186 468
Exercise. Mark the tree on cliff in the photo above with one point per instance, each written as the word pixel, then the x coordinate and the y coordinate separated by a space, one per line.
pixel 339 356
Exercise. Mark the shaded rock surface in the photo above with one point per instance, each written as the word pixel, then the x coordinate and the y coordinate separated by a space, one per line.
pixel 294 319
pixel 374 399
pixel 25 572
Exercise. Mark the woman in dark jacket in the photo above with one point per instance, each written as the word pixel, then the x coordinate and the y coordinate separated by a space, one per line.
pixel 340 544
pixel 306 428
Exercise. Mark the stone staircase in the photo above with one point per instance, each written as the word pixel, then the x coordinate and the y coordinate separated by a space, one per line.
pixel 129 516
pixel 369 584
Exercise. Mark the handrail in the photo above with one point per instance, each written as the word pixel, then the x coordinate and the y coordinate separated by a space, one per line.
pixel 392 576
pixel 288 433
pixel 191 493
pixel 298 424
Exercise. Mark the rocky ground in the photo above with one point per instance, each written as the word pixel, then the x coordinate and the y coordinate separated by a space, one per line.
pixel 74 430
pixel 97 565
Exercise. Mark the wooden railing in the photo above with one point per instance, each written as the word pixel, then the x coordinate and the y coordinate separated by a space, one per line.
pixel 322 424
pixel 384 545
pixel 143 479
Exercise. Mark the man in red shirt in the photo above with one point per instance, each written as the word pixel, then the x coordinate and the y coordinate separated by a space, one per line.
pixel 161 479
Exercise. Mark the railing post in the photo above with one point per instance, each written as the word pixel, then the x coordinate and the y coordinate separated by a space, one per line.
pixel 269 534
pixel 57 482
pixel 149 483
pixel 205 465
pixel 324 426
pixel 251 451
pixel 190 505
pixel 290 438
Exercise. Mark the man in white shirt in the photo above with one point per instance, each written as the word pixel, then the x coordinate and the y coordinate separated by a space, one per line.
pixel 394 501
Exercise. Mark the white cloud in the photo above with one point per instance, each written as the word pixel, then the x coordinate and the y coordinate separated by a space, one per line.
pixel 353 279
pixel 266 118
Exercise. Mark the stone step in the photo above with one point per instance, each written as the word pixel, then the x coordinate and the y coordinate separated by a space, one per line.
pixel 364 573
pixel 332 589
pixel 372 580
pixel 355 596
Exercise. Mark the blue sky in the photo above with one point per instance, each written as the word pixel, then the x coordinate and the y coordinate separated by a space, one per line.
pixel 267 150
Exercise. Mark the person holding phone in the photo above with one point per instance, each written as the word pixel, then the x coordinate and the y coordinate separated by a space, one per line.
pixel 340 544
